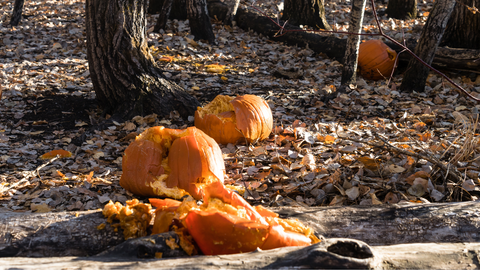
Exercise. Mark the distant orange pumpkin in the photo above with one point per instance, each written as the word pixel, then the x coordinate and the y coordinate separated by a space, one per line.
pixel 171 163
pixel 376 60
pixel 231 120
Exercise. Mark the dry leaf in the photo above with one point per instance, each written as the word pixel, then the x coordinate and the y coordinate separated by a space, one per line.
pixel 61 153
pixel 370 163
pixel 419 174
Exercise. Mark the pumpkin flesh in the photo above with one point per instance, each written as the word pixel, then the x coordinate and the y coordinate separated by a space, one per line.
pixel 226 224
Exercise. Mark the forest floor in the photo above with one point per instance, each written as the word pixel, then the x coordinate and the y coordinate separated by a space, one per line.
pixel 373 145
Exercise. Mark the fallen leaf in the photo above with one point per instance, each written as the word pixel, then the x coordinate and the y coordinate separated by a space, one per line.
pixel 61 153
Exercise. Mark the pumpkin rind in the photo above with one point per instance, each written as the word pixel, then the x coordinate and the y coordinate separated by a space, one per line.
pixel 155 164
pixel 254 117
pixel 220 233
pixel 232 120
pixel 195 160
pixel 376 60
pixel 225 223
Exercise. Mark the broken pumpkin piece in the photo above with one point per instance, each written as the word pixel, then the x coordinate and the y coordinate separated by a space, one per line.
pixel 226 224
pixel 171 162
pixel 231 120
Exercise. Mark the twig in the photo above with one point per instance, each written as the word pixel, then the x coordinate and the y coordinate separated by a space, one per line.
pixel 387 146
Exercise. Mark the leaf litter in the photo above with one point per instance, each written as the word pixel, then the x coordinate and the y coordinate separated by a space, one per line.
pixel 373 145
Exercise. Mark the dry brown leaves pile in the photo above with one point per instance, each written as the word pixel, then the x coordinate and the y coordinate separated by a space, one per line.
pixel 373 145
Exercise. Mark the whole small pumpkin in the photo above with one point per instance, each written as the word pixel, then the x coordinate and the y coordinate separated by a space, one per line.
pixel 171 162
pixel 376 60
pixel 231 120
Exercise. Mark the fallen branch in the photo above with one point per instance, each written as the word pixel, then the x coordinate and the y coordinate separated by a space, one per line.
pixel 448 169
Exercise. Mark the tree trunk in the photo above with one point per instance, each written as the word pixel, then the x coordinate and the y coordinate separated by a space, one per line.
pixel 178 10
pixel 306 12
pixel 463 28
pixel 125 77
pixel 199 20
pixel 163 16
pixel 350 60
pixel 416 75
pixel 402 9
pixel 17 12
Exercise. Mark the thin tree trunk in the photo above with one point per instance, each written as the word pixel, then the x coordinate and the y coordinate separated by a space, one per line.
pixel 232 12
pixel 178 10
pixel 306 12
pixel 17 12
pixel 199 20
pixel 125 77
pixel 402 9
pixel 163 16
pixel 416 75
pixel 463 28
pixel 350 60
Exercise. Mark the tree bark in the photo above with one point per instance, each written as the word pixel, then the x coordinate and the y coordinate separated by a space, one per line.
pixel 178 10
pixel 416 75
pixel 350 60
pixel 17 12
pixel 306 12
pixel 125 77
pixel 163 16
pixel 402 9
pixel 463 28
pixel 199 20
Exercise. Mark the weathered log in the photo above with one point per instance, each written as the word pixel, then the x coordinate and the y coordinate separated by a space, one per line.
pixel 332 253
pixel 55 234
pixel 445 58
pixel 395 224
pixel 76 233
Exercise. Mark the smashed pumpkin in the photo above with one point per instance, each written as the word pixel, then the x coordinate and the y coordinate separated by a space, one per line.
pixel 226 224
pixel 171 162
pixel 376 60
pixel 134 217
pixel 231 120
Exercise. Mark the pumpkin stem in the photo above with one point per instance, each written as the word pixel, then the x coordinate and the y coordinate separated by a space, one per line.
pixel 391 54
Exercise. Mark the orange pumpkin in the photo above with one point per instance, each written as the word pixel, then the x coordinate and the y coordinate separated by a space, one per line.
pixel 171 162
pixel 232 120
pixel 376 60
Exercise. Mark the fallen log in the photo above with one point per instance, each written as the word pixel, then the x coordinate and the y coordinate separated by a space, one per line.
pixel 395 224
pixel 445 58
pixel 77 233
pixel 331 253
